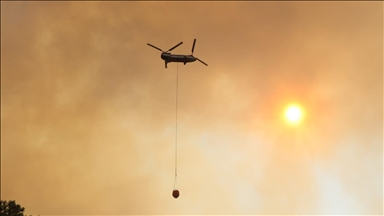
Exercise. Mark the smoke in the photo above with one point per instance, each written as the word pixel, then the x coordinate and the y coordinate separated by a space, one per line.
pixel 88 109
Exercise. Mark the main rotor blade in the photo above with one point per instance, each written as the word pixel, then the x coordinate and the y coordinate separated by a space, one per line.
pixel 175 46
pixel 155 47
pixel 193 46
pixel 201 61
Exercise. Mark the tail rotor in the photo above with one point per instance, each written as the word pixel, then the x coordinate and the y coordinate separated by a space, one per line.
pixel 201 61
pixel 193 48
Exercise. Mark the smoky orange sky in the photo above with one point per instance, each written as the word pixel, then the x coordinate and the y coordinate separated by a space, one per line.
pixel 88 109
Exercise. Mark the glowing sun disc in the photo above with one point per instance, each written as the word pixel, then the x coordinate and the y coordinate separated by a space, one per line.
pixel 293 114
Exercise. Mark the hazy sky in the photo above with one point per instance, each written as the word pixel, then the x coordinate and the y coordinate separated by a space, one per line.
pixel 88 109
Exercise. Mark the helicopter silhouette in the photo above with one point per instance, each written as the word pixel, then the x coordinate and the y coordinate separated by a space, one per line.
pixel 169 57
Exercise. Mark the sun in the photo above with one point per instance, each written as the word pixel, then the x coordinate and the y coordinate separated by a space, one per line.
pixel 293 114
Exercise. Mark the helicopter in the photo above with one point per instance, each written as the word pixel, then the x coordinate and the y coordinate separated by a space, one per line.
pixel 168 57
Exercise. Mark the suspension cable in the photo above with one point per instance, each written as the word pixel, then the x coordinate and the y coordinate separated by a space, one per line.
pixel 177 88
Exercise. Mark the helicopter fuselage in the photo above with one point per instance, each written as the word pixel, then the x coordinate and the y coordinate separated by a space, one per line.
pixel 168 57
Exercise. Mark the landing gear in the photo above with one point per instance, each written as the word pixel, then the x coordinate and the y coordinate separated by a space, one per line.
pixel 166 64
pixel 185 63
